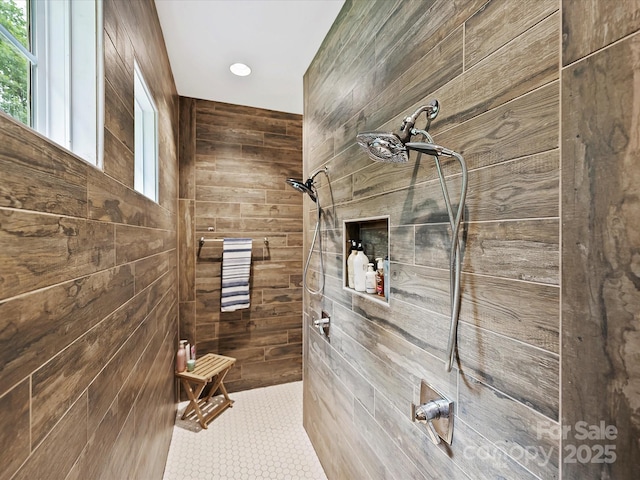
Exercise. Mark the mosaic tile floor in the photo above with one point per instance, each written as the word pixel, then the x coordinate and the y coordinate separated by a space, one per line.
pixel 261 437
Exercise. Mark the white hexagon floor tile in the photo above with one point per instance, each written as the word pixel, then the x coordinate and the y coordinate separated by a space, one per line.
pixel 261 436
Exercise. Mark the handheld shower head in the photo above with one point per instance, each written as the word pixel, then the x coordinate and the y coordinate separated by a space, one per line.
pixel 429 149
pixel 303 187
pixel 308 186
pixel 390 147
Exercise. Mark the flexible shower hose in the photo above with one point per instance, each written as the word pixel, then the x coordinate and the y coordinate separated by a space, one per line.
pixel 455 254
pixel 313 242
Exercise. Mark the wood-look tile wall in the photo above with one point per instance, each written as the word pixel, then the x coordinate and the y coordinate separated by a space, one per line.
pixel 88 283
pixel 495 68
pixel 601 234
pixel 234 161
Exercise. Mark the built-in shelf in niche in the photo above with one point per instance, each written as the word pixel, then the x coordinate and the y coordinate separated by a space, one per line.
pixel 374 234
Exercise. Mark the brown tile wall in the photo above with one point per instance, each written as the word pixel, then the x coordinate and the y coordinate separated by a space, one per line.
pixel 601 235
pixel 234 161
pixel 499 69
pixel 88 283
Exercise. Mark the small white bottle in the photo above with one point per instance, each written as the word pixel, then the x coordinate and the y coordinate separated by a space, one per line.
pixel 360 269
pixel 370 280
pixel 350 266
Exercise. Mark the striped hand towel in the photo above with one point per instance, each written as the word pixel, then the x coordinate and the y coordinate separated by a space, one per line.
pixel 236 265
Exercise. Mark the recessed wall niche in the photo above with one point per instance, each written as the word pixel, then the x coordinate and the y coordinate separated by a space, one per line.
pixel 373 232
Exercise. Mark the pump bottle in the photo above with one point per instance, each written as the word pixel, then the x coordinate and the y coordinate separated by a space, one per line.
pixel 370 279
pixel 360 269
pixel 350 266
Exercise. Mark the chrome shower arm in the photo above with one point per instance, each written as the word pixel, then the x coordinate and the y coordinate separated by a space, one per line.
pixel 406 129
pixel 318 172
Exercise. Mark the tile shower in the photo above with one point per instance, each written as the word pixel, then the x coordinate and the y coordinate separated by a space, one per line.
pixel 510 77
pixel 530 91
pixel 233 164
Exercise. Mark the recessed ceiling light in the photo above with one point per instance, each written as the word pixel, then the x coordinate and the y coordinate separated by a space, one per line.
pixel 240 69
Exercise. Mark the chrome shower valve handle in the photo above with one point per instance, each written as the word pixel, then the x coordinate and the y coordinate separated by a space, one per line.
pixel 433 410
pixel 322 324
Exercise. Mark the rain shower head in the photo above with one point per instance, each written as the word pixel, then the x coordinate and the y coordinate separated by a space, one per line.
pixel 383 147
pixel 303 187
pixel 390 147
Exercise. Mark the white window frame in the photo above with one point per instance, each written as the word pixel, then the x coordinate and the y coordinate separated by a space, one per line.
pixel 67 74
pixel 145 177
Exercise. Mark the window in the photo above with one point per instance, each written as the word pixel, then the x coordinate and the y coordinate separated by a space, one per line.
pixel 146 139
pixel 15 60
pixel 51 70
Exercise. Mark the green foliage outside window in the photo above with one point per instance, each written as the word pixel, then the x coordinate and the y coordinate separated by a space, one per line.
pixel 14 67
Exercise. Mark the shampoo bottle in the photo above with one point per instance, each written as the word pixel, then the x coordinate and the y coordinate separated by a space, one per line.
pixel 380 277
pixel 370 279
pixel 360 269
pixel 350 266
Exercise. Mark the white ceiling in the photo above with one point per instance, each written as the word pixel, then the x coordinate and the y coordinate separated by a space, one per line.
pixel 276 38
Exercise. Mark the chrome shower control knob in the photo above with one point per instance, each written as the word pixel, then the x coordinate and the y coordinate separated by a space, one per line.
pixel 433 410
pixel 322 324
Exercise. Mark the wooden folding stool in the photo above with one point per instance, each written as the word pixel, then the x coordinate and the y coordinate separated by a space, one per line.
pixel 210 368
